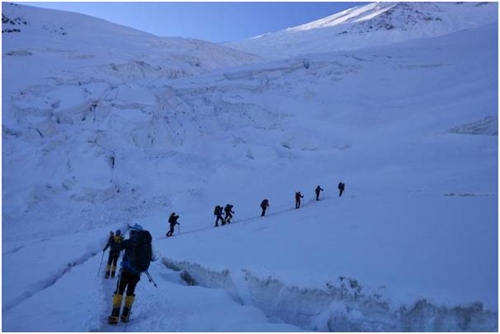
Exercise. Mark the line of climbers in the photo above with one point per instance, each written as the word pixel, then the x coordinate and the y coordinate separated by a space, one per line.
pixel 298 196
pixel 138 254
pixel 228 212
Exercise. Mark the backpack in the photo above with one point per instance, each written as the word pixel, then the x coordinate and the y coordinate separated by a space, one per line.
pixel 173 220
pixel 217 210
pixel 141 252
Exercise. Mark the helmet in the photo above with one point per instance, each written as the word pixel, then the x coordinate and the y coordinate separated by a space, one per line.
pixel 118 233
pixel 136 227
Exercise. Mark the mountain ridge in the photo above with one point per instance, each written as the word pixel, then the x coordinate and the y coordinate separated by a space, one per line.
pixel 371 25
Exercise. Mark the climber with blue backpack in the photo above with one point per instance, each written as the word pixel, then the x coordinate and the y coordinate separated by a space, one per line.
pixel 138 256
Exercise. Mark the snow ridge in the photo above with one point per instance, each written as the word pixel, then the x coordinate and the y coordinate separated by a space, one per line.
pixel 341 306
pixel 485 126
pixel 352 15
pixel 371 25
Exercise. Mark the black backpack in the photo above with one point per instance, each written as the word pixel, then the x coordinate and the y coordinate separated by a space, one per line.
pixel 141 252
pixel 217 210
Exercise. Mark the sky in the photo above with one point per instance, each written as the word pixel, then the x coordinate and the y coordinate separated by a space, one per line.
pixel 210 21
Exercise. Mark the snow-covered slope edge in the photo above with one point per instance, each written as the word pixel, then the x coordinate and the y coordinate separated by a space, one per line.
pixel 340 305
pixel 371 25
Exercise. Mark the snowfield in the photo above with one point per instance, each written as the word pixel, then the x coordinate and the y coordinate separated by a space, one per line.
pixel 107 127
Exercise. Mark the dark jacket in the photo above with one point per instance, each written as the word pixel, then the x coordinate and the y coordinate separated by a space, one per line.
pixel 113 243
pixel 218 210
pixel 126 245
pixel 228 209
pixel 173 220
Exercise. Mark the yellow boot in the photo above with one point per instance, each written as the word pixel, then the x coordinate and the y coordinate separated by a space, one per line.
pixel 129 300
pixel 108 268
pixel 115 312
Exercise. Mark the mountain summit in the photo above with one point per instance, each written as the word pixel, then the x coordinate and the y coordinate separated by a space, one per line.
pixel 371 25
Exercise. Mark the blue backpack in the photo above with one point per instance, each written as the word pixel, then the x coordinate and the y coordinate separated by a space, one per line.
pixel 141 251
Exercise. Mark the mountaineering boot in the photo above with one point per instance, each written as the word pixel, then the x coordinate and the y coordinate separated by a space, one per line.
pixel 129 300
pixel 107 271
pixel 115 312
pixel 113 269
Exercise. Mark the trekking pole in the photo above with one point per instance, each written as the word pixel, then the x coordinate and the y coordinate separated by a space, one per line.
pixel 179 228
pixel 100 265
pixel 151 279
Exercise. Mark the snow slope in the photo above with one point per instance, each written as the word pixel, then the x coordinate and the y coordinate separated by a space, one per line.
pixel 55 39
pixel 373 24
pixel 411 128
